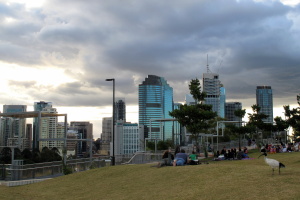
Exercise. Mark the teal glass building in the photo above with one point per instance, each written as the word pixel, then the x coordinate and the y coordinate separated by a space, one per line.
pixel 155 103
pixel 264 99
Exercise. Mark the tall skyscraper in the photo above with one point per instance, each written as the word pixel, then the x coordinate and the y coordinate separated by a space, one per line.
pixel 222 101
pixel 179 132
pixel 215 92
pixel 189 100
pixel 106 135
pixel 51 129
pixel 229 111
pixel 155 102
pixel 264 99
pixel 85 131
pixel 107 124
pixel 38 106
pixel 120 109
pixel 13 130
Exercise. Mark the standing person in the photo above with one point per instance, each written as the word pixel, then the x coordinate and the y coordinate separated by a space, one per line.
pixel 180 158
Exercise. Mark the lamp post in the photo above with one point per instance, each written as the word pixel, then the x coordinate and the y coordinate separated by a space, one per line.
pixel 113 119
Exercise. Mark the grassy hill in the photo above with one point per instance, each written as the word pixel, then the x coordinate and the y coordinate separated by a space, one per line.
pixel 245 179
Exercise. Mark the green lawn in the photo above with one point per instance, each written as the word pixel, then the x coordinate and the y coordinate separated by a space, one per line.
pixel 245 179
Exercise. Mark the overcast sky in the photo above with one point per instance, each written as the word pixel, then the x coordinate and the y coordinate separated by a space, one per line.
pixel 62 51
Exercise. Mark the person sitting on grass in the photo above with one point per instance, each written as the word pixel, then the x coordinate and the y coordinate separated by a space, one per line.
pixel 245 155
pixel 193 159
pixel 180 158
pixel 167 159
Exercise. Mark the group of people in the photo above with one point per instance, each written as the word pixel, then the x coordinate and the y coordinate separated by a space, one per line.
pixel 232 154
pixel 280 148
pixel 180 158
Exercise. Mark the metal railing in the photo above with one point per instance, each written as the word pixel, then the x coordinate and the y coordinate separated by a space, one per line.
pixel 49 169
pixel 144 157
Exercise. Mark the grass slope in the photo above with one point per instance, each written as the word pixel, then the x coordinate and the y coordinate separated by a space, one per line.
pixel 246 179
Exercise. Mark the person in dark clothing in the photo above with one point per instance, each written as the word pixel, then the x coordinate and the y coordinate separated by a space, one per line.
pixel 167 159
pixel 217 154
pixel 230 155
pixel 223 151
pixel 177 150
pixel 234 153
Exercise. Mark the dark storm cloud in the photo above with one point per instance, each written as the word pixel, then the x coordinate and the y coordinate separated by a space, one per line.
pixel 249 43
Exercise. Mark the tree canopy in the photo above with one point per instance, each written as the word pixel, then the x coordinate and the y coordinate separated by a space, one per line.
pixel 293 118
pixel 196 117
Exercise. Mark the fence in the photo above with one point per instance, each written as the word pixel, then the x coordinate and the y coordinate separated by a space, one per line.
pixel 48 169
pixel 144 157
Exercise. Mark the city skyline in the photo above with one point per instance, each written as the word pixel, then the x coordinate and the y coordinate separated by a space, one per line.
pixel 49 53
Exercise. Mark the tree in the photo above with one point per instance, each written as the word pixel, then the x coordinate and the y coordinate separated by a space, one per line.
pixel 17 154
pixel 256 120
pixel 150 145
pixel 280 125
pixel 164 145
pixel 196 118
pixel 240 113
pixel 293 118
pixel 56 154
pixel 48 155
pixel 27 156
pixel 6 155
pixel 36 155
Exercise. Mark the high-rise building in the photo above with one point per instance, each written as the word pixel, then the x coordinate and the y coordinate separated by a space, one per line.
pixel 107 124
pixel 264 99
pixel 222 101
pixel 212 87
pixel 13 130
pixel 51 129
pixel 85 131
pixel 38 106
pixel 120 109
pixel 155 102
pixel 179 132
pixel 129 138
pixel 189 100
pixel 29 135
pixel 229 111
pixel 106 135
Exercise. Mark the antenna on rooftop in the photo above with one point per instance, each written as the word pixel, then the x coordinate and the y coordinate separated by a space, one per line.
pixel 208 70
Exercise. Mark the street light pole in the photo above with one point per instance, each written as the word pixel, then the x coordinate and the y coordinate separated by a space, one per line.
pixel 113 119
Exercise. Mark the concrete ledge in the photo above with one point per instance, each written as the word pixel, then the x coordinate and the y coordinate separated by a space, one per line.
pixel 22 182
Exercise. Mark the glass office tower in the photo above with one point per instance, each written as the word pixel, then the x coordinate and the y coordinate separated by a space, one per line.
pixel 222 102
pixel 120 109
pixel 264 99
pixel 155 103
pixel 215 93
pixel 38 106
pixel 12 128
